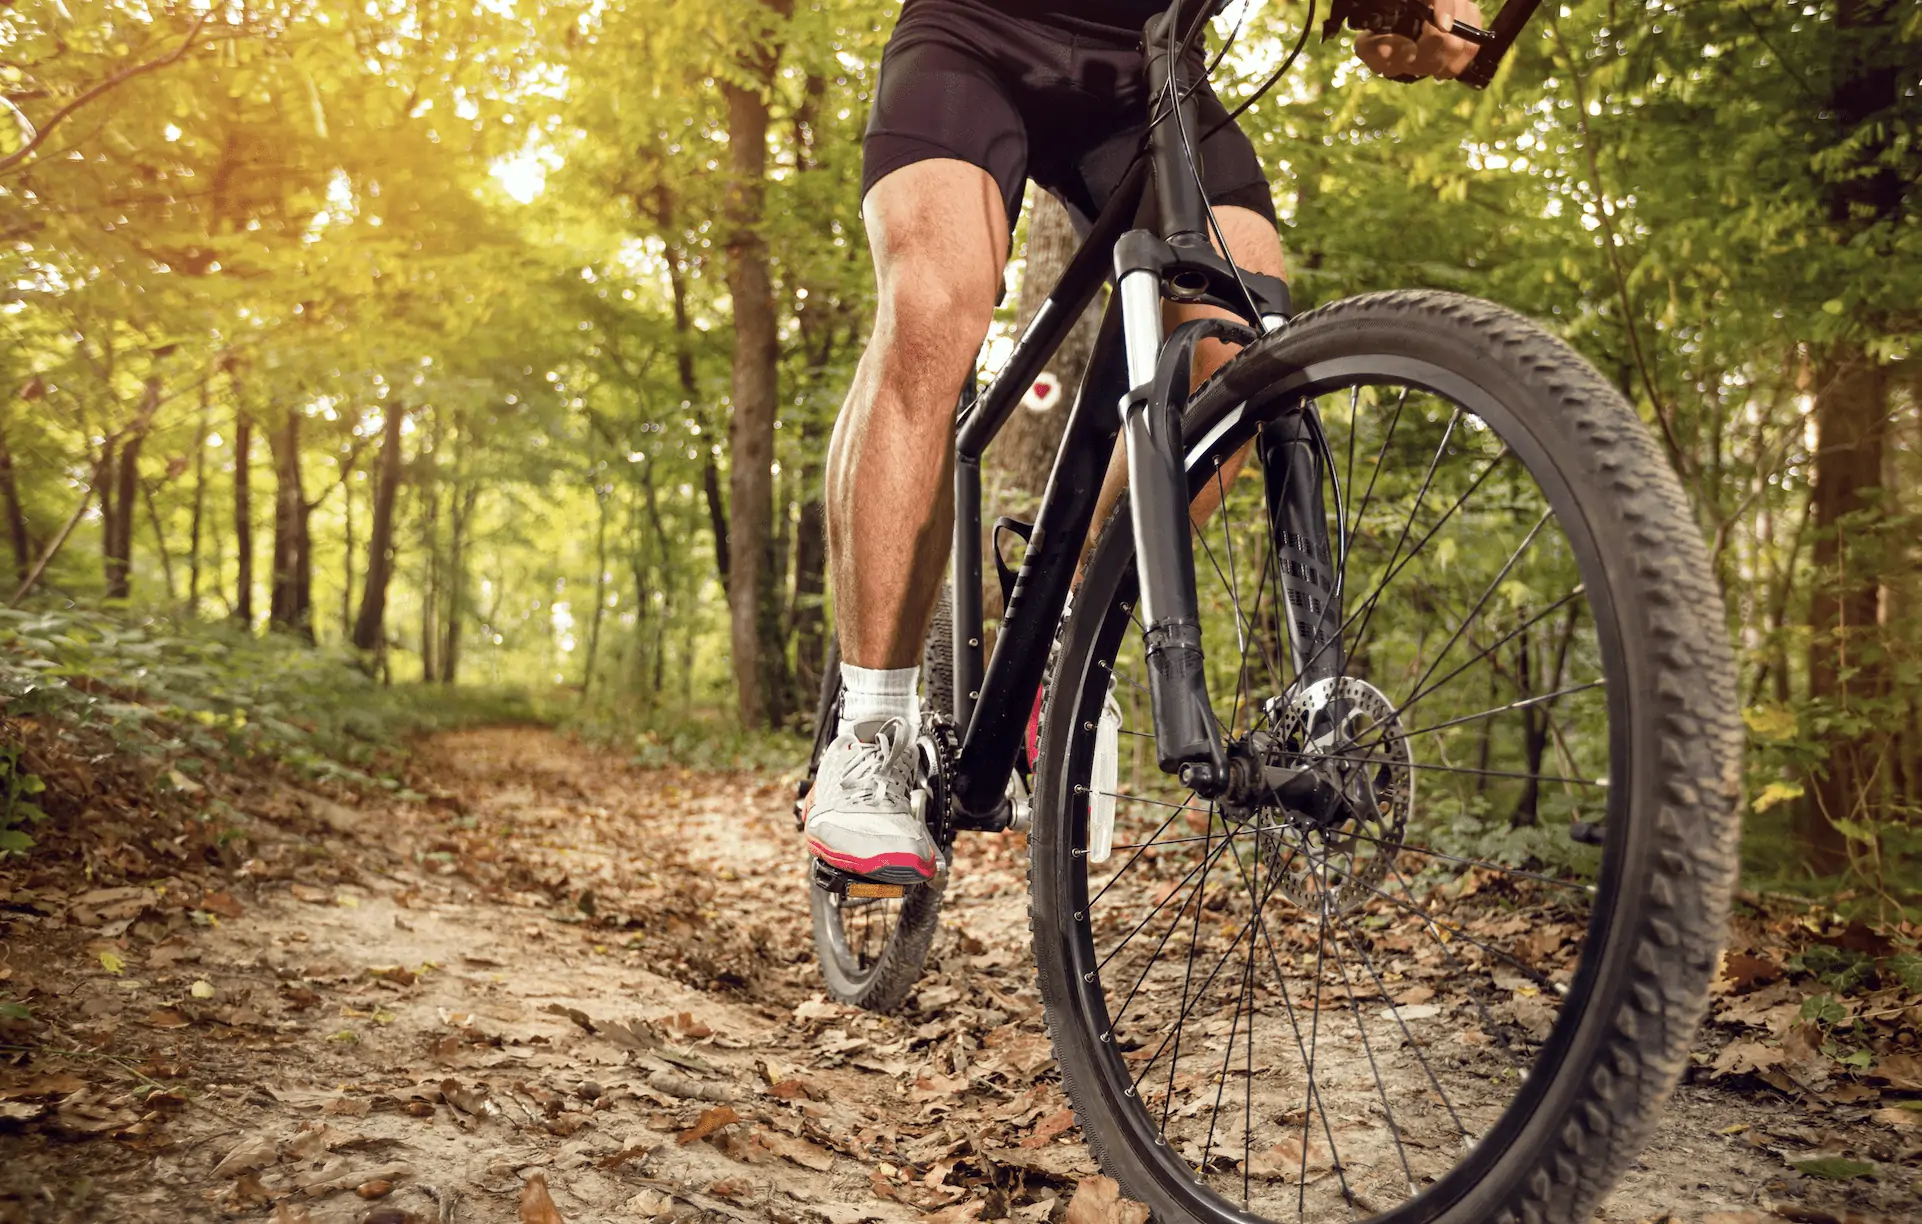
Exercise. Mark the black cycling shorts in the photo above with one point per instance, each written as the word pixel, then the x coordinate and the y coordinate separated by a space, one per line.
pixel 1047 97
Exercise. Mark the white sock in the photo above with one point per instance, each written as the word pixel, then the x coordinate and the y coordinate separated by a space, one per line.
pixel 874 692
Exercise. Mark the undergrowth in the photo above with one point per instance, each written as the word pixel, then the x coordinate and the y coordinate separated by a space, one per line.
pixel 178 699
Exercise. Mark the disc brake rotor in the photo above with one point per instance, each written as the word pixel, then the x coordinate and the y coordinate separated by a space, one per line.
pixel 1346 730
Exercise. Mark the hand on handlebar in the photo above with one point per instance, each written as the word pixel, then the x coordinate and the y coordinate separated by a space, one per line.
pixel 1437 53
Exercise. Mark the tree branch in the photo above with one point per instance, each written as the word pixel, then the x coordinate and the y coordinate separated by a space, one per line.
pixel 113 82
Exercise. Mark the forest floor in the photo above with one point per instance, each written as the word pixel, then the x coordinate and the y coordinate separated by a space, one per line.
pixel 557 987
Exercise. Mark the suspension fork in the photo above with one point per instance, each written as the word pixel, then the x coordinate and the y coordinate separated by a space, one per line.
pixel 1292 449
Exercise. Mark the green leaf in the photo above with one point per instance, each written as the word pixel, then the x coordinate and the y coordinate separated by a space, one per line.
pixel 13 841
pixel 1906 968
pixel 15 1011
pixel 1824 1010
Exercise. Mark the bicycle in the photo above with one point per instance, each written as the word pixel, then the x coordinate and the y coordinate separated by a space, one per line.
pixel 1460 1009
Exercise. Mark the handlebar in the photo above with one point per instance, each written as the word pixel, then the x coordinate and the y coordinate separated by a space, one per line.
pixel 1408 17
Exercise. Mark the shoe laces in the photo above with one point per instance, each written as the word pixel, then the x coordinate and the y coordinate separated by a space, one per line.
pixel 874 773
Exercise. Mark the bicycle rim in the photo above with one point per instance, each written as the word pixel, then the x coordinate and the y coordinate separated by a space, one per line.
pixel 1355 1017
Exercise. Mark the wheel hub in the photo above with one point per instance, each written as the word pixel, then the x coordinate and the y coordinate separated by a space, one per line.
pixel 1346 731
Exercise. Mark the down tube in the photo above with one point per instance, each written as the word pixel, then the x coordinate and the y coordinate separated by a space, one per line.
pixel 995 732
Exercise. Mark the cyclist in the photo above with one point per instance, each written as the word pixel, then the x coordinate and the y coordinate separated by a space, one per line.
pixel 976 96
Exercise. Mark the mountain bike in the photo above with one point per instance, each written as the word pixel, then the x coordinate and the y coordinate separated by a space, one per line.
pixel 1384 806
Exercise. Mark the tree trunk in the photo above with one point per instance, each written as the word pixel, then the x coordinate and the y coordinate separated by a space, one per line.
pixel 370 625
pixel 286 608
pixel 126 486
pixel 200 499
pixel 16 517
pixel 1023 454
pixel 690 387
pixel 159 538
pixel 756 354
pixel 454 601
pixel 243 517
pixel 1846 673
pixel 600 593
pixel 1847 668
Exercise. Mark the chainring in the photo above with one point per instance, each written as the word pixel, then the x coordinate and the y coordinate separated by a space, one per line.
pixel 1347 731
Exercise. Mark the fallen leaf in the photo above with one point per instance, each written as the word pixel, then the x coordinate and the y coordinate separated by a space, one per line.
pixel 111 961
pixel 58 1083
pixel 537 1205
pixel 1746 1058
pixel 221 903
pixel 1050 1126
pixel 1097 1200
pixel 1901 1071
pixel 1742 973
pixel 253 1152
pixel 374 1189
pixel 709 1122
pixel 202 989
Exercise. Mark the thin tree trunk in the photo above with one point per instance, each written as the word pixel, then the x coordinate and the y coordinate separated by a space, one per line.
pixel 243 516
pixel 126 487
pixel 455 601
pixel 16 516
pixel 1023 453
pixel 200 497
pixel 370 625
pixel 53 546
pixel 756 356
pixel 159 538
pixel 600 594
pixel 427 483
pixel 286 603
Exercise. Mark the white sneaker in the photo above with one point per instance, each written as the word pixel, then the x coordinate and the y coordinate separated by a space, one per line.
pixel 862 816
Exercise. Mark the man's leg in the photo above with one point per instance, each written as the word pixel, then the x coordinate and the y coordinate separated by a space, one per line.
pixel 939 235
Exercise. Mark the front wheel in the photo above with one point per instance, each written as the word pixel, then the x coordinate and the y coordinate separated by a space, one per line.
pixel 1460 993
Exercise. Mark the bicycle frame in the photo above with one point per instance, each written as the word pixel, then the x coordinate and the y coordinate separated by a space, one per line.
pixel 1134 388
pixel 992 702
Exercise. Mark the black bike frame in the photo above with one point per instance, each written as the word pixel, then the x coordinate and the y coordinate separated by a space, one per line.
pixel 1134 388
pixel 992 704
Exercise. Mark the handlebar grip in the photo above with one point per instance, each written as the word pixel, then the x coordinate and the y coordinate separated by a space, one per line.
pixel 1500 36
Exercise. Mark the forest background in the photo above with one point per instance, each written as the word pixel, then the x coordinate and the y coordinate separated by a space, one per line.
pixel 495 344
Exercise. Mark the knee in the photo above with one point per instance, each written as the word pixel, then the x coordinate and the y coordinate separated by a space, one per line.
pixel 933 315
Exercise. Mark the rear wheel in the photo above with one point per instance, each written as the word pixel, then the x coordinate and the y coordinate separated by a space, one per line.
pixel 1462 996
pixel 871 948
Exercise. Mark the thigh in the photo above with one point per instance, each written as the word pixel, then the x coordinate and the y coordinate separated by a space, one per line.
pixel 938 233
pixel 939 98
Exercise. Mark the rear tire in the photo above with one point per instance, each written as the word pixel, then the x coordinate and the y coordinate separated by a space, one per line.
pixel 862 966
pixel 1630 995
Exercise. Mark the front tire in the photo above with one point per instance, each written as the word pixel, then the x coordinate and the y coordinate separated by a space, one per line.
pixel 1483 923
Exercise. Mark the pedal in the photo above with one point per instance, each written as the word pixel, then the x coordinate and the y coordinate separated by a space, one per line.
pixel 852 887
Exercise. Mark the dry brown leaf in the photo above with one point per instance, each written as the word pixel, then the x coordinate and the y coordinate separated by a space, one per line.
pixel 1097 1200
pixel 1285 1161
pixel 537 1205
pixel 1900 1119
pixel 221 903
pixel 1900 1071
pixel 709 1122
pixel 1742 973
pixel 1050 1126
pixel 1746 1058
pixel 57 1083
pixel 800 1151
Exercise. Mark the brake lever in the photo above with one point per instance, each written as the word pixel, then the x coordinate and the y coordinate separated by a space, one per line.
pixel 1407 18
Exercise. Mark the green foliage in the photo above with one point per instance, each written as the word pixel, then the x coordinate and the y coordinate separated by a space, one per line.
pixel 185 699
pixel 17 810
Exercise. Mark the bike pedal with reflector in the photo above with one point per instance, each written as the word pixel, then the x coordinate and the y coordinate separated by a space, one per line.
pixel 833 880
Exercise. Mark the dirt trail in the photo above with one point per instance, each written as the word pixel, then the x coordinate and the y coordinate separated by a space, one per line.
pixel 560 965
